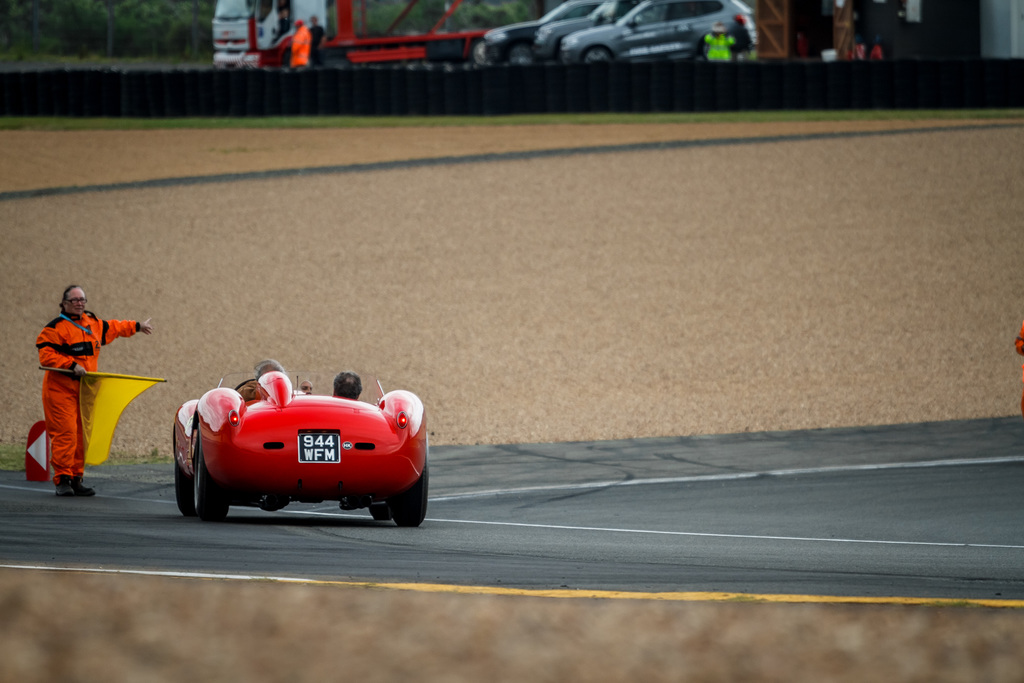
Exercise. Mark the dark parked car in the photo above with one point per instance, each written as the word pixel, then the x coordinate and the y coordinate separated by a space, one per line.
pixel 661 29
pixel 548 43
pixel 514 43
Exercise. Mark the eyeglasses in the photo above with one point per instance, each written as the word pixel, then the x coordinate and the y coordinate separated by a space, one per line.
pixel 76 301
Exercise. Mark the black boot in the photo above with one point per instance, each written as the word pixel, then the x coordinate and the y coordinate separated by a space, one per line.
pixel 64 486
pixel 80 489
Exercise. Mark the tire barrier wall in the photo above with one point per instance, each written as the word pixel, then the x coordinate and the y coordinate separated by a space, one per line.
pixel 422 90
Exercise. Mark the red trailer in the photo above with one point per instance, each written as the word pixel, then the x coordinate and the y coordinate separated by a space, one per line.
pixel 248 33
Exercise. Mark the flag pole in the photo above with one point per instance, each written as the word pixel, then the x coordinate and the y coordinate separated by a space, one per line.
pixel 68 371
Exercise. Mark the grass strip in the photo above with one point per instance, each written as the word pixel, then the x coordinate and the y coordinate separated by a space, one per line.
pixel 317 122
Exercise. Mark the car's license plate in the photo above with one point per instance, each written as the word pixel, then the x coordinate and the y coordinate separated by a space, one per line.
pixel 319 447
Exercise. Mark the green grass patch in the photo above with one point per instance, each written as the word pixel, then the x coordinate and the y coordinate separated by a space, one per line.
pixel 152 458
pixel 318 122
pixel 12 457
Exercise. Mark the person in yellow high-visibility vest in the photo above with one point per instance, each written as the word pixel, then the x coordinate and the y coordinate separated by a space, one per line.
pixel 719 43
pixel 301 43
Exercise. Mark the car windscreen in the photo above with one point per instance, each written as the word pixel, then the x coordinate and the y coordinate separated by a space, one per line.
pixel 608 12
pixel 578 12
pixel 231 10
pixel 603 13
pixel 321 383
pixel 561 12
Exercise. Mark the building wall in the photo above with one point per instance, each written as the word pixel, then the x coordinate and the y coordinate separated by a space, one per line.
pixel 995 31
pixel 948 28
pixel 1002 28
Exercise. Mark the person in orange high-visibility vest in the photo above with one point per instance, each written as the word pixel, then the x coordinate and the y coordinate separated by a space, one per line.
pixel 301 42
pixel 72 342
pixel 1020 349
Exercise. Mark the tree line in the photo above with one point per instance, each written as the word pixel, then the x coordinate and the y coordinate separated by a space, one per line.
pixel 162 29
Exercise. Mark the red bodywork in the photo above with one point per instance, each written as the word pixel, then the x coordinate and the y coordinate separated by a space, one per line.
pixel 251 451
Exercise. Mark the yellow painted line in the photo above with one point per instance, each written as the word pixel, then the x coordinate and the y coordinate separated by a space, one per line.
pixel 680 596
pixel 561 593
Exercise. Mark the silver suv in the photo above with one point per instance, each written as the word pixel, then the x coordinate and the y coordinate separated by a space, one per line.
pixel 514 43
pixel 548 43
pixel 660 29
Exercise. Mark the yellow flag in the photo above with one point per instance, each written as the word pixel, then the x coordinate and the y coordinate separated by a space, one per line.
pixel 102 398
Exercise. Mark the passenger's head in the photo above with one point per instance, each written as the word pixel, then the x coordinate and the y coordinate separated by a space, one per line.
pixel 347 385
pixel 265 366
pixel 306 387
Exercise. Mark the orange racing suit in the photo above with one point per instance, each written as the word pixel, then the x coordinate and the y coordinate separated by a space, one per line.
pixel 1020 349
pixel 64 343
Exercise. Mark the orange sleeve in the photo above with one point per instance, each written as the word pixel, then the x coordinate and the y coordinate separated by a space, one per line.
pixel 112 329
pixel 1020 341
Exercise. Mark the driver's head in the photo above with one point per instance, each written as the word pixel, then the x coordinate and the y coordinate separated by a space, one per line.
pixel 347 385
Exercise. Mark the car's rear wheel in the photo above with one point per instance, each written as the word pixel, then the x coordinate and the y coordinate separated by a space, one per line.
pixel 520 53
pixel 183 492
pixel 597 54
pixel 410 508
pixel 211 500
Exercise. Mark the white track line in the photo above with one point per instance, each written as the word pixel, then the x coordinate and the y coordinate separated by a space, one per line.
pixel 732 476
pixel 692 534
pixel 149 572
pixel 806 539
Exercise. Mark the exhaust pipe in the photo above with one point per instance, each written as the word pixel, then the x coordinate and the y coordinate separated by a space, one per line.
pixel 355 502
pixel 273 502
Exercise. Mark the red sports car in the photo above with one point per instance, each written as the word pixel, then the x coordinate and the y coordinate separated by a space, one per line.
pixel 288 446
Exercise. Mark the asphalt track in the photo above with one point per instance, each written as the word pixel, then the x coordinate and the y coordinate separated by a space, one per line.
pixel 927 511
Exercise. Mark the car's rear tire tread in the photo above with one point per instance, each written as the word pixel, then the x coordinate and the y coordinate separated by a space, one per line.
pixel 410 508
pixel 184 493
pixel 211 501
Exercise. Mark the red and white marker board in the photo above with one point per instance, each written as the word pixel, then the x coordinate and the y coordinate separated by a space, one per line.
pixel 37 453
